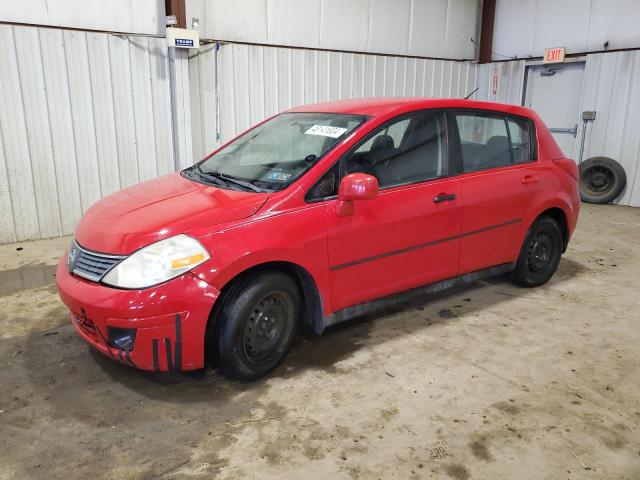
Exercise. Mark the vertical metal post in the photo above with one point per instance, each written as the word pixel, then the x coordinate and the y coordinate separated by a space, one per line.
pixel 587 116
pixel 486 30
pixel 179 91
pixel 217 86
pixel 584 134
pixel 177 8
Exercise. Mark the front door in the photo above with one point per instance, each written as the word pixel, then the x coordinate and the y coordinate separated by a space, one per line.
pixel 554 92
pixel 409 235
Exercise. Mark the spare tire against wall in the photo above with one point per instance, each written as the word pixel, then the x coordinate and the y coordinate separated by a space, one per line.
pixel 602 179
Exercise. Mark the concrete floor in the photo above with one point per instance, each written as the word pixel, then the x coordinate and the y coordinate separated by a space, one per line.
pixel 489 382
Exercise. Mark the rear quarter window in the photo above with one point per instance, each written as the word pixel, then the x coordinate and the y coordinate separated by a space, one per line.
pixel 520 139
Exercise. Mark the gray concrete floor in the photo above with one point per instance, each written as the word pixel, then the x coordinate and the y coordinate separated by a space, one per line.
pixel 489 382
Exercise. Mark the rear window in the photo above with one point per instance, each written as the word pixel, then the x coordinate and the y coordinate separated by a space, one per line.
pixel 490 141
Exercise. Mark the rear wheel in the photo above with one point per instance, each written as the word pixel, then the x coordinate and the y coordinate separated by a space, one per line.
pixel 540 253
pixel 258 326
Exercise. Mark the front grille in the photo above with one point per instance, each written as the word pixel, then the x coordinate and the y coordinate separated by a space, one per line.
pixel 91 265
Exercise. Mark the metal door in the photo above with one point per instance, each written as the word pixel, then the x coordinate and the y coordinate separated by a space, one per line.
pixel 554 92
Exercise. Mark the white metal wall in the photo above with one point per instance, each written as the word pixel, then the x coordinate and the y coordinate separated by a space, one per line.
pixel 423 28
pixel 508 78
pixel 612 89
pixel 130 16
pixel 83 114
pixel 524 28
pixel 256 82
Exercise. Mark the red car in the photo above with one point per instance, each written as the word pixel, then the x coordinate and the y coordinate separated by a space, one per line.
pixel 315 216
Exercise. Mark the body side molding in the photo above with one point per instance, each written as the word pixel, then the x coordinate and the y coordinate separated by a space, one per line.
pixel 397 299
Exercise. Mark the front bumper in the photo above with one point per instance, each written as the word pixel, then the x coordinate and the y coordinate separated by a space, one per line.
pixel 169 320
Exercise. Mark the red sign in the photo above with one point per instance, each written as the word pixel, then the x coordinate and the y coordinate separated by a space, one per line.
pixel 554 55
pixel 494 80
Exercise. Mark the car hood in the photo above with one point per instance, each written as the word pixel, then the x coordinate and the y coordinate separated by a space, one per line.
pixel 166 206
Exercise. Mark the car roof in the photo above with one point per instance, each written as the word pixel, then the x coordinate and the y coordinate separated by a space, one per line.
pixel 378 106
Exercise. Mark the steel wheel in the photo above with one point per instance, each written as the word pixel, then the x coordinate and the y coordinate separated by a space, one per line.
pixel 597 180
pixel 266 326
pixel 602 180
pixel 257 324
pixel 540 253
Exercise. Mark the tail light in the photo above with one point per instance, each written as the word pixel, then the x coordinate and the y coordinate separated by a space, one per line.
pixel 568 166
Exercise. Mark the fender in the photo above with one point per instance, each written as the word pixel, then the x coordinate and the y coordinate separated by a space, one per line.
pixel 569 218
pixel 560 203
pixel 296 237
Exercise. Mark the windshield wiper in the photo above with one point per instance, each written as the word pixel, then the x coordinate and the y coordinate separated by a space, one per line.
pixel 231 179
pixel 218 181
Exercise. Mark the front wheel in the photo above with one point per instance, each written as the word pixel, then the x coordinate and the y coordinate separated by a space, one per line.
pixel 540 253
pixel 258 326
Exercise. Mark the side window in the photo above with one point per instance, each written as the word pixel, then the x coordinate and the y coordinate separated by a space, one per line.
pixel 405 150
pixel 395 131
pixel 520 139
pixel 484 141
pixel 327 186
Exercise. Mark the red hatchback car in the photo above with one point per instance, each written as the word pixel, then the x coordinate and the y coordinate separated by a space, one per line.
pixel 315 216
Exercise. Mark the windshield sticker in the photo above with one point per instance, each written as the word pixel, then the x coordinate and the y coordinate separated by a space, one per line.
pixel 278 176
pixel 326 131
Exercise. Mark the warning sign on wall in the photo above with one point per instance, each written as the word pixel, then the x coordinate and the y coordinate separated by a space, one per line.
pixel 495 76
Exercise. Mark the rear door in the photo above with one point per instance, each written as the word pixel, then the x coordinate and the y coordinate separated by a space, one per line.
pixel 409 235
pixel 500 181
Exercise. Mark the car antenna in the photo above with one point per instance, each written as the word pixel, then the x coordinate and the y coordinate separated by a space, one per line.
pixel 467 97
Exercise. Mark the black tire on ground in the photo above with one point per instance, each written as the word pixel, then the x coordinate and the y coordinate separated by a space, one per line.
pixel 602 179
pixel 258 326
pixel 540 253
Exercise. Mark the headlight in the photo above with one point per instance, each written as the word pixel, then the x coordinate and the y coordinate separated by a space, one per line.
pixel 157 263
pixel 72 253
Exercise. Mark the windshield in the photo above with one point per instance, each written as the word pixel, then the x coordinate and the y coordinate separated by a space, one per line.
pixel 274 154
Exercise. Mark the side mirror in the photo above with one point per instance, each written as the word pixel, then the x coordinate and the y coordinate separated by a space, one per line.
pixel 355 186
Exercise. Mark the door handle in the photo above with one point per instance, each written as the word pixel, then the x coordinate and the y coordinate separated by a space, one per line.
pixel 444 197
pixel 529 179
pixel 573 131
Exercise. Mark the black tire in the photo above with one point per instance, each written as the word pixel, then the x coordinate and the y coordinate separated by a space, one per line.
pixel 602 180
pixel 540 253
pixel 258 325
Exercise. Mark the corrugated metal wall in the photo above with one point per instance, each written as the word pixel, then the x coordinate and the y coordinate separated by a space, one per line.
pixel 204 100
pixel 256 82
pixel 125 16
pixel 83 114
pixel 523 29
pixel 612 89
pixel 509 81
pixel 422 28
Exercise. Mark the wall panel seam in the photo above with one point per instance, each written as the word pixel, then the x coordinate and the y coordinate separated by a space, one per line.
pixel 26 128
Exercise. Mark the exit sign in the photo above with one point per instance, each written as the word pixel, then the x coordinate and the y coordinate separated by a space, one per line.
pixel 554 55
